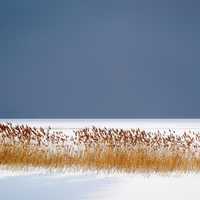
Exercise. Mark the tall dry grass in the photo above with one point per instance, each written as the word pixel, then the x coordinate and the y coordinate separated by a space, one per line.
pixel 99 149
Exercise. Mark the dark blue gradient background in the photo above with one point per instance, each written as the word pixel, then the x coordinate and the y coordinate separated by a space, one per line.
pixel 99 59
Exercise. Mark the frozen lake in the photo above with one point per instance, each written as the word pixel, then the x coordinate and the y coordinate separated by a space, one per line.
pixel 92 186
pixel 67 125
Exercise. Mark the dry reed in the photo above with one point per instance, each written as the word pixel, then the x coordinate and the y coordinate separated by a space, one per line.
pixel 100 149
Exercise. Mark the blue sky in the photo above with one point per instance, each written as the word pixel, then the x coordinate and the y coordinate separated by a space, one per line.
pixel 99 59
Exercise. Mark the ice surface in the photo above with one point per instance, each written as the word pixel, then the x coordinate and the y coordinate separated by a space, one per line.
pixel 40 184
pixel 67 125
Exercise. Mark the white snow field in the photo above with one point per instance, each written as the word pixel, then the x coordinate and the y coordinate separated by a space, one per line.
pixel 70 184
pixel 153 125
pixel 40 185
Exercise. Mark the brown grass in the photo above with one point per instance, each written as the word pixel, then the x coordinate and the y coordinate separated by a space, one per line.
pixel 99 149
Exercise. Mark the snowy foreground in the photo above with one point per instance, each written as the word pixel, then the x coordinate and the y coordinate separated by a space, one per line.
pixel 41 184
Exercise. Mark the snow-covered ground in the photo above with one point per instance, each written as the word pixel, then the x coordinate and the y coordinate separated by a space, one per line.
pixel 67 125
pixel 40 184
pixel 70 184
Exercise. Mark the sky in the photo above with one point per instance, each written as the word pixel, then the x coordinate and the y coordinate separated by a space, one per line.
pixel 99 59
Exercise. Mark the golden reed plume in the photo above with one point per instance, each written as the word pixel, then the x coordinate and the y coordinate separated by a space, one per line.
pixel 127 150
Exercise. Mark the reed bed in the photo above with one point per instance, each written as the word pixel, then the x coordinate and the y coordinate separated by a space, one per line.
pixel 130 150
